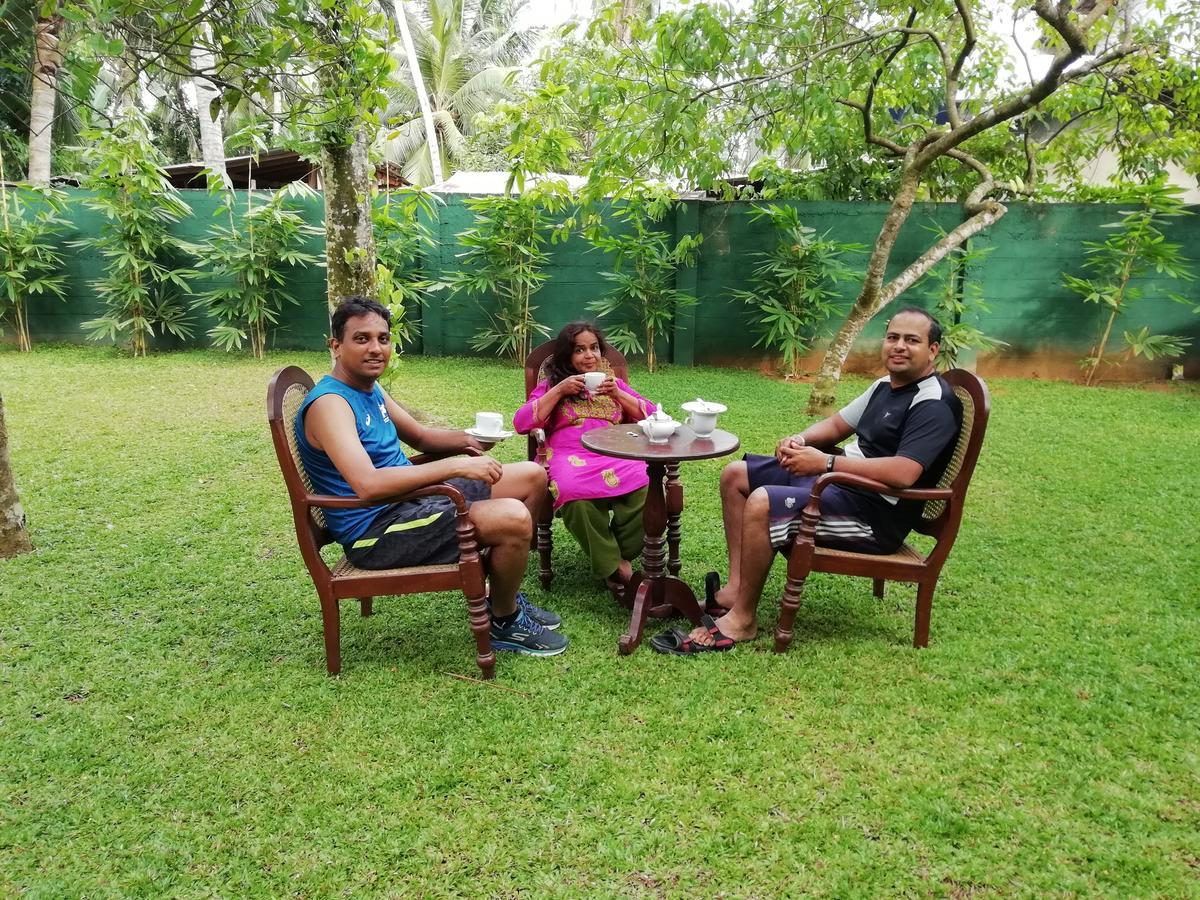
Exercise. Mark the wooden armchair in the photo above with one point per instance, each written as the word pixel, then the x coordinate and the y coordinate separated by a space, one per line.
pixel 286 392
pixel 536 364
pixel 940 519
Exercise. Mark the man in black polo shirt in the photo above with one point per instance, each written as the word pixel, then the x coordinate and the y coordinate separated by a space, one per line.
pixel 906 425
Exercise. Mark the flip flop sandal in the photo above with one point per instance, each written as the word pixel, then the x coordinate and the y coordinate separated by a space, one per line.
pixel 712 584
pixel 676 643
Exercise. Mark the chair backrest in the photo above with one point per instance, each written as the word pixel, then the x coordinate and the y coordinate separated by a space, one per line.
pixel 939 518
pixel 285 393
pixel 539 358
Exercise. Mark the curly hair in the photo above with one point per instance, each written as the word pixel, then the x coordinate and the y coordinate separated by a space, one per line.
pixel 564 348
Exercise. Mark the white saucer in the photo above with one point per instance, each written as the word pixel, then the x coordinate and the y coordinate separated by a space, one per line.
pixel 488 438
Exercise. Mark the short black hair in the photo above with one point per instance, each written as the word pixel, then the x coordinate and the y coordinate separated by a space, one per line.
pixel 356 306
pixel 935 327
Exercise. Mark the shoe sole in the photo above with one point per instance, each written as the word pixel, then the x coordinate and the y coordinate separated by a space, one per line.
pixel 506 647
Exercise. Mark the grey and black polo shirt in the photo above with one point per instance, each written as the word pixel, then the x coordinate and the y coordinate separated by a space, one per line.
pixel 919 421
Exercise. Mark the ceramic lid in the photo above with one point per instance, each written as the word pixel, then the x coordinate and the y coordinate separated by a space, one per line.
pixel 703 406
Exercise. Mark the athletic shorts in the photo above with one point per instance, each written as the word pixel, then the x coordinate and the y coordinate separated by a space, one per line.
pixel 845 515
pixel 420 532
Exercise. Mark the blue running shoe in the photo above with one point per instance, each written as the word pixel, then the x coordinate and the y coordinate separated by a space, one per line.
pixel 548 620
pixel 526 636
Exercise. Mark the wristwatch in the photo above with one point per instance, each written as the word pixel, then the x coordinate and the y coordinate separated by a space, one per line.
pixel 829 464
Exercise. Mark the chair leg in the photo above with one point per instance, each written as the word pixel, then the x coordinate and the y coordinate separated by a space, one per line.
pixel 924 609
pixel 789 604
pixel 365 603
pixel 333 634
pixel 542 536
pixel 879 583
pixel 481 625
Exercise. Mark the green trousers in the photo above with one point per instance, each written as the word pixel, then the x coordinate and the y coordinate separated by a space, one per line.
pixel 609 530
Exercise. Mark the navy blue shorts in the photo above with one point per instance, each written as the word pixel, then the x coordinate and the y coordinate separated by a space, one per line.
pixel 421 532
pixel 844 522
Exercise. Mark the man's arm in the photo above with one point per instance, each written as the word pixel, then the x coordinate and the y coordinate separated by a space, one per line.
pixel 329 426
pixel 894 471
pixel 825 433
pixel 426 439
pixel 928 428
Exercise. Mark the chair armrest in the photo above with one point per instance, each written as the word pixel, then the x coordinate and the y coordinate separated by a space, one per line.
pixel 328 501
pixel 878 487
pixel 422 458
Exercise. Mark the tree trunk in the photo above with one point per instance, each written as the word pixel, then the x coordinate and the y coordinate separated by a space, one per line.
pixel 824 392
pixel 13 537
pixel 349 238
pixel 212 131
pixel 629 11
pixel 875 295
pixel 414 69
pixel 46 62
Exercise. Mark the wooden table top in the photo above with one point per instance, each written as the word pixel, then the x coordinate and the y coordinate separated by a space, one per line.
pixel 626 441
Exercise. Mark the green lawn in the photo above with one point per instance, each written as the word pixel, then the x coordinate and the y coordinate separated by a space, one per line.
pixel 167 727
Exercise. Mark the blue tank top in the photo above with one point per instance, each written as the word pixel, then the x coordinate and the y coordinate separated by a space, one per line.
pixel 379 439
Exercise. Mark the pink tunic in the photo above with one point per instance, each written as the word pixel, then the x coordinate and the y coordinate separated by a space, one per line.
pixel 577 473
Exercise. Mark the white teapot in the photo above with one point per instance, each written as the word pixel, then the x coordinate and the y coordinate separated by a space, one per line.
pixel 658 427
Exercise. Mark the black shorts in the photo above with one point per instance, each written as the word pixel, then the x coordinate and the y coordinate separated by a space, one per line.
pixel 846 516
pixel 419 532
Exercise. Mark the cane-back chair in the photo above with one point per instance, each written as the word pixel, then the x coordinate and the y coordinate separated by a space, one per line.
pixel 940 519
pixel 286 392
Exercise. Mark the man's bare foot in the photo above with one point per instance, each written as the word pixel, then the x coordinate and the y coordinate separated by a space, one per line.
pixel 725 597
pixel 728 625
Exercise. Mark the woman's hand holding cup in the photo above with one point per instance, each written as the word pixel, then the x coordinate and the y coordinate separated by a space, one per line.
pixel 572 386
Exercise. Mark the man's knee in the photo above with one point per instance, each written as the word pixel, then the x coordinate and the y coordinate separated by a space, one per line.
pixel 528 471
pixel 503 519
pixel 735 478
pixel 758 505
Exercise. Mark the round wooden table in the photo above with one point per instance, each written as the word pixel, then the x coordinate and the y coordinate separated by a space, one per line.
pixel 655 592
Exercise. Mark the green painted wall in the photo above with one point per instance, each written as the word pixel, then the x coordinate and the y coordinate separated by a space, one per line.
pixel 1031 309
pixel 1021 277
pixel 304 324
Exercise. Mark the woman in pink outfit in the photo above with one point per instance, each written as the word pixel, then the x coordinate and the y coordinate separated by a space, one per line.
pixel 600 498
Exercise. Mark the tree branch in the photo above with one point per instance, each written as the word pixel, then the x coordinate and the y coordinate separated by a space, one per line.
pixel 988 214
pixel 955 72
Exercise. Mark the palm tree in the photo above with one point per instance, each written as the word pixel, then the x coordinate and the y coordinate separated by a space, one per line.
pixel 469 52
pixel 46 63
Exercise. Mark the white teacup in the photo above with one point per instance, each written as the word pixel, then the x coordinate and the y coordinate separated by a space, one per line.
pixel 702 416
pixel 490 423
pixel 593 380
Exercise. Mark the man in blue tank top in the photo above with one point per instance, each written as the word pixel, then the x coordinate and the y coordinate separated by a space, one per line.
pixel 348 431
pixel 905 425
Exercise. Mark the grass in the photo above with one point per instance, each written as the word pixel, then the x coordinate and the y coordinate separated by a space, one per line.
pixel 169 730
